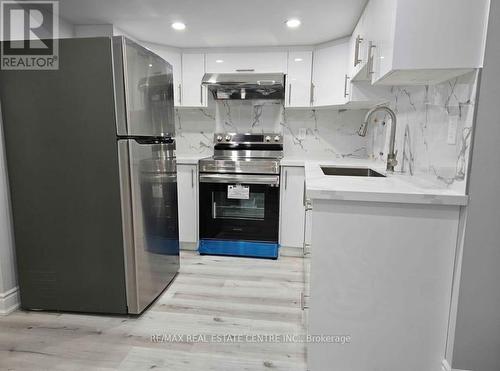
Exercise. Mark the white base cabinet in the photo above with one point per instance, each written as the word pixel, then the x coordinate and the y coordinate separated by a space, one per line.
pixel 381 273
pixel 292 207
pixel 187 190
pixel 307 254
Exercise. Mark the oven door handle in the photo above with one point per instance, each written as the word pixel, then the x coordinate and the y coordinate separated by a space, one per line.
pixel 240 179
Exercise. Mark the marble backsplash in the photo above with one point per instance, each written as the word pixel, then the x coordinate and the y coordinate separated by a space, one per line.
pixel 434 133
pixel 429 117
pixel 314 134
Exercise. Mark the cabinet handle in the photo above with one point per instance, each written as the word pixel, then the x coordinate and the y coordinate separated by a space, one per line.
pixel 289 94
pixel 306 249
pixel 346 79
pixel 286 179
pixel 371 57
pixel 201 94
pixel 303 304
pixel 312 94
pixel 180 94
pixel 357 61
pixel 192 178
pixel 304 198
pixel 245 70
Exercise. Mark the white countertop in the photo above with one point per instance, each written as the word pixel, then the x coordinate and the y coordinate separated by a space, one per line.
pixel 399 188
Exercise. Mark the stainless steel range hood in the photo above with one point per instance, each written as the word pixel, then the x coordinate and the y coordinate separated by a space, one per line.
pixel 245 86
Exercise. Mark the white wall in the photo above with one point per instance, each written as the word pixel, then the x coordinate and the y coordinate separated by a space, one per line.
pixel 9 298
pixel 96 30
pixel 477 335
pixel 66 29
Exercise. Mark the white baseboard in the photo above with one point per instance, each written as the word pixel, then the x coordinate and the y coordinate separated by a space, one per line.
pixel 446 367
pixel 189 246
pixel 291 251
pixel 9 301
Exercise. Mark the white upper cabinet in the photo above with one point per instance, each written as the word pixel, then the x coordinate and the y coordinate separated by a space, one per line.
pixel 426 41
pixel 334 86
pixel 358 50
pixel 298 88
pixel 193 94
pixel 330 80
pixel 259 62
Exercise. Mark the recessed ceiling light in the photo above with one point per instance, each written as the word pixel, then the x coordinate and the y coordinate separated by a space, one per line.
pixel 298 59
pixel 179 26
pixel 219 61
pixel 150 65
pixel 293 23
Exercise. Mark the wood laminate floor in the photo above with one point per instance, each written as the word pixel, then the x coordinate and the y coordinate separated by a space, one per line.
pixel 211 296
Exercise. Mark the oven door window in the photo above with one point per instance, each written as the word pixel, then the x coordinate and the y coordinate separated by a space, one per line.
pixel 242 204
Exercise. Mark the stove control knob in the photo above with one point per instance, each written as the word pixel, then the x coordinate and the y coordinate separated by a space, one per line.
pixel 228 138
pixel 267 139
pixel 277 138
pixel 219 138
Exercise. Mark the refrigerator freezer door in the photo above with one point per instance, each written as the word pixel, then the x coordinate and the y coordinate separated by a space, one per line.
pixel 151 232
pixel 144 91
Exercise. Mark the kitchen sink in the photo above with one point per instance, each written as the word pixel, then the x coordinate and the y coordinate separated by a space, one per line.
pixel 350 171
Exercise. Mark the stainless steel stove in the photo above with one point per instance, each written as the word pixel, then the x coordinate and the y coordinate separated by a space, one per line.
pixel 239 196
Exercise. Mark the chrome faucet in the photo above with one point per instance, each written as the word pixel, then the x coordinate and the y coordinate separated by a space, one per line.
pixel 391 157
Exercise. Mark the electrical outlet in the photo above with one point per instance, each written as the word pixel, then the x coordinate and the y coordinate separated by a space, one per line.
pixel 302 133
pixel 452 130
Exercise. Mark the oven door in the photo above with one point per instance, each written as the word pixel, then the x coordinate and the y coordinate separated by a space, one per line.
pixel 239 207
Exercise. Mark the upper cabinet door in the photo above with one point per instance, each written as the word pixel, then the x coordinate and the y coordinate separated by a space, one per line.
pixel 298 88
pixel 263 62
pixel 425 42
pixel 148 92
pixel 358 49
pixel 330 79
pixel 193 69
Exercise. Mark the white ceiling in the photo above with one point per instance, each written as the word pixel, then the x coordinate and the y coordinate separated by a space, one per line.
pixel 221 23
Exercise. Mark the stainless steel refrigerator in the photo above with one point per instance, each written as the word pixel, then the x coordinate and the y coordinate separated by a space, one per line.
pixel 92 172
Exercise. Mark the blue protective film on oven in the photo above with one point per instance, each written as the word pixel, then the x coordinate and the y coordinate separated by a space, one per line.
pixel 239 248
